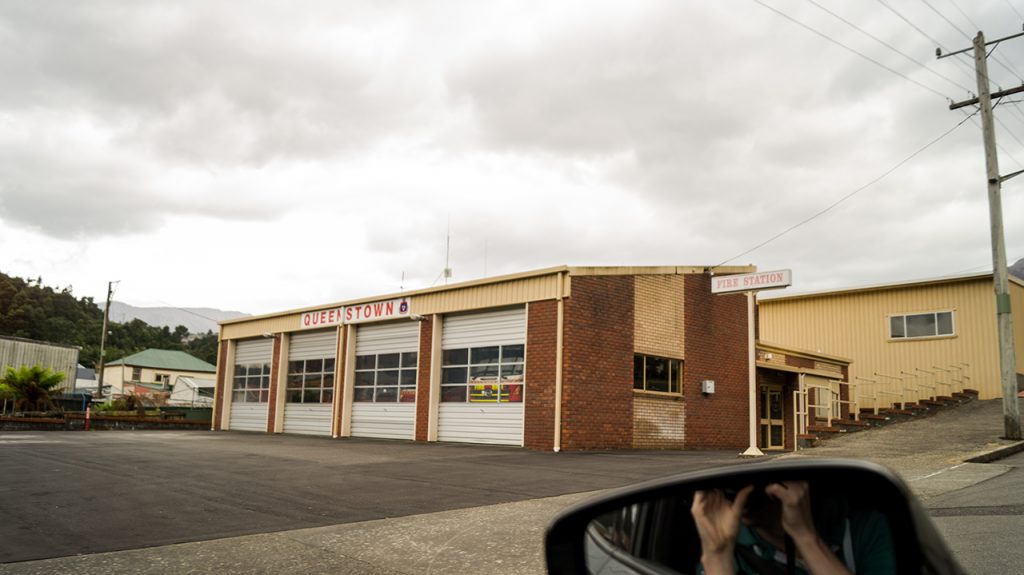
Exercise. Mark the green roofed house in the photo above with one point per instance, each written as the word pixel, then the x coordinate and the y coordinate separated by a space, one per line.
pixel 153 370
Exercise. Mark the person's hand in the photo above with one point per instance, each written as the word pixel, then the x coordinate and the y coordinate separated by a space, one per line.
pixel 795 497
pixel 718 524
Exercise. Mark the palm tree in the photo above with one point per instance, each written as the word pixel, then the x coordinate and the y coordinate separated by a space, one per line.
pixel 31 387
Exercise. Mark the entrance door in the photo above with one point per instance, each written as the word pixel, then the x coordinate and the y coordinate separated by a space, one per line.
pixel 772 426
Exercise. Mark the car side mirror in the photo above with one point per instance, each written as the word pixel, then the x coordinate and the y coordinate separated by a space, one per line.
pixel 784 513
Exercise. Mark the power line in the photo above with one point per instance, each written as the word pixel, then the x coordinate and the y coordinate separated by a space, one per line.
pixel 889 46
pixel 1014 9
pixel 999 146
pixel 844 46
pixel 897 166
pixel 899 15
pixel 964 14
pixel 948 21
pixel 996 59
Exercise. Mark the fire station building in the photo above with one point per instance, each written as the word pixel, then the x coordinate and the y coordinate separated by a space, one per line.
pixel 563 358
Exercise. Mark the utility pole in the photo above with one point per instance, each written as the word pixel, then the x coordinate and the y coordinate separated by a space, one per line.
pixel 103 341
pixel 1004 319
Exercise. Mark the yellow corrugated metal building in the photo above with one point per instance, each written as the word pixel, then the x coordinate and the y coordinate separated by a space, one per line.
pixel 921 338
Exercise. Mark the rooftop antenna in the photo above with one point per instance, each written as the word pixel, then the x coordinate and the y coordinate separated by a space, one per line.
pixel 401 284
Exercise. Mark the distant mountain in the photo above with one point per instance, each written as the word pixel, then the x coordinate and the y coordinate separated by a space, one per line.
pixel 1017 269
pixel 196 319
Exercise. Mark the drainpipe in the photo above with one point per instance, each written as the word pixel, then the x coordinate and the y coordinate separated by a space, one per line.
pixel 558 362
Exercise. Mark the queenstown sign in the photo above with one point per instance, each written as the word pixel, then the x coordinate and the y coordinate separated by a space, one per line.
pixel 376 311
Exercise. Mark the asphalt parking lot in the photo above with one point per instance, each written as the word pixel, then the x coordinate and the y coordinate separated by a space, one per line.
pixel 71 493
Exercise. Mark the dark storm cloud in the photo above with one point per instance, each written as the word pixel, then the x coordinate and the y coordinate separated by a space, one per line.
pixel 218 84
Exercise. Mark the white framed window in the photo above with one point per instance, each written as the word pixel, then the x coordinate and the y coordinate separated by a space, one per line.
pixel 251 383
pixel 136 374
pixel 491 374
pixel 651 373
pixel 386 378
pixel 311 381
pixel 163 379
pixel 921 325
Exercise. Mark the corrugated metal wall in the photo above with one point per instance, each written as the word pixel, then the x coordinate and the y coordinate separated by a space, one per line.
pixel 475 422
pixel 17 353
pixel 249 417
pixel 491 295
pixel 391 337
pixel 313 345
pixel 856 325
pixel 489 328
pixel 386 420
pixel 313 418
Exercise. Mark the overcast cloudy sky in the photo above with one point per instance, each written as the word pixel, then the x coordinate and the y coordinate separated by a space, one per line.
pixel 261 156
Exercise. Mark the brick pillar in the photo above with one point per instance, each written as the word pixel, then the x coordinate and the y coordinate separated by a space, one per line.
pixel 541 339
pixel 275 369
pixel 423 378
pixel 716 348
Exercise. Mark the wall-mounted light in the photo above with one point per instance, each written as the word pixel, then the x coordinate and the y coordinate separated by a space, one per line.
pixel 707 386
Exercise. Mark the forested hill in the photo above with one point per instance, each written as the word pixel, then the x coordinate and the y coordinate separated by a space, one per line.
pixel 31 310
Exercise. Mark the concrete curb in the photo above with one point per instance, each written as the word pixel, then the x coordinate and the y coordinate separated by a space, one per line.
pixel 998 453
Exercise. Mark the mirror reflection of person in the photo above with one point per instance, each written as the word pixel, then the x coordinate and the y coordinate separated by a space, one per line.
pixel 748 534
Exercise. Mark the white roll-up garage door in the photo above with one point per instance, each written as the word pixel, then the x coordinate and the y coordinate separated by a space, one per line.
pixel 482 385
pixel 250 385
pixel 309 387
pixel 384 391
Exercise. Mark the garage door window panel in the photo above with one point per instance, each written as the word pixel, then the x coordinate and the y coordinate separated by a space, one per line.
pixel 251 383
pixel 310 381
pixel 487 374
pixel 386 378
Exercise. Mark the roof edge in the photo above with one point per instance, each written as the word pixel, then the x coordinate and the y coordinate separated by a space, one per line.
pixel 884 287
pixel 571 270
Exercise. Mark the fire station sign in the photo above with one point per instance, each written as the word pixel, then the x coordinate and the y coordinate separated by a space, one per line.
pixel 752 282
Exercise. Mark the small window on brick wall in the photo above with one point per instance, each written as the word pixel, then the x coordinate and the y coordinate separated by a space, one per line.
pixel 652 373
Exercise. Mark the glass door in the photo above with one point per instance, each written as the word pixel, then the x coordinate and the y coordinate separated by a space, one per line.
pixel 772 426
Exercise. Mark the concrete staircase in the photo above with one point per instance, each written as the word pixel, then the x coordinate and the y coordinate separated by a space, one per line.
pixel 819 432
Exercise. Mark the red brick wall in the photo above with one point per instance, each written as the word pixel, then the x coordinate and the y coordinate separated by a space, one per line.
pixel 423 378
pixel 541 343
pixel 716 348
pixel 222 388
pixel 597 387
pixel 275 368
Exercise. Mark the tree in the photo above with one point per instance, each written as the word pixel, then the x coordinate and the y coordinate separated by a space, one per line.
pixel 31 387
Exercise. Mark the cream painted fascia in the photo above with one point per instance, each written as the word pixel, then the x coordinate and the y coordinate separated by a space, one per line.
pixel 229 380
pixel 349 381
pixel 779 296
pixel 394 295
pixel 437 328
pixel 805 370
pixel 804 353
pixel 497 280
pixel 281 383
